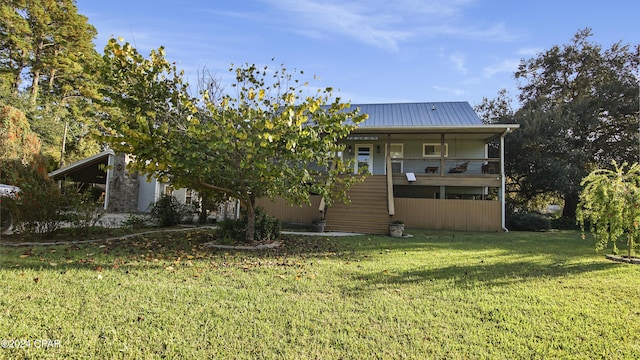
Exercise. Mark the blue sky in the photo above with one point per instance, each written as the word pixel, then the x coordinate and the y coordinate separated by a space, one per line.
pixel 372 51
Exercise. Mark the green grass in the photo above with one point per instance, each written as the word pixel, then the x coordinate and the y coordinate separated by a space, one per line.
pixel 437 295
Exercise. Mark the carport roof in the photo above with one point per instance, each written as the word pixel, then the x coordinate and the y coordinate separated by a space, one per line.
pixel 89 170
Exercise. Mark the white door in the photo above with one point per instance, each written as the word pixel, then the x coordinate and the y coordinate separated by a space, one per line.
pixel 364 159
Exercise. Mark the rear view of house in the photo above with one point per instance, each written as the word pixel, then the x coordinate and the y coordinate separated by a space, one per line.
pixel 431 165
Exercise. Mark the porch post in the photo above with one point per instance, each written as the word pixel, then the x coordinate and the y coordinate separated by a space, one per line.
pixel 107 186
pixel 390 200
pixel 443 194
pixel 502 183
pixel 442 148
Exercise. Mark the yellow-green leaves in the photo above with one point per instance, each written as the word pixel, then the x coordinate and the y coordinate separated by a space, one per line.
pixel 261 140
pixel 610 204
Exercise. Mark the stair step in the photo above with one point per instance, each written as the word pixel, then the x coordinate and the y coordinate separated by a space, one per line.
pixel 367 212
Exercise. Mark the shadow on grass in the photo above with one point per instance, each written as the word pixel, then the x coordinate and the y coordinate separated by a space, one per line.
pixel 157 250
pixel 144 250
pixel 480 274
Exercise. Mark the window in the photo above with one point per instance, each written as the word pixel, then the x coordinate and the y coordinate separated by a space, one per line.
pixel 434 150
pixel 364 159
pixel 188 196
pixel 397 151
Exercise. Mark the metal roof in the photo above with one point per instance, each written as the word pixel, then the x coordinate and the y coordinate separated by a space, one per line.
pixel 89 170
pixel 415 115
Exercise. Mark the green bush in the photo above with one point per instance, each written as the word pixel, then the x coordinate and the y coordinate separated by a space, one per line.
pixel 40 208
pixel 528 222
pixel 267 227
pixel 167 211
pixel 565 223
pixel 135 221
pixel 84 212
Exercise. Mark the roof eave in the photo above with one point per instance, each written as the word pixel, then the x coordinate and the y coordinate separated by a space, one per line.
pixel 80 163
pixel 471 129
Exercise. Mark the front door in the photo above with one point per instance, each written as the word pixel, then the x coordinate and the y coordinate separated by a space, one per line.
pixel 364 159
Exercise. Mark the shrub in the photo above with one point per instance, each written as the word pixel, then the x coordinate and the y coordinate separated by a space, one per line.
pixel 134 221
pixel 40 208
pixel 84 212
pixel 529 222
pixel 565 223
pixel 167 211
pixel 267 227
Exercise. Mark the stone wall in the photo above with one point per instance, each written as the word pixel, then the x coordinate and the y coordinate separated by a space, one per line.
pixel 123 194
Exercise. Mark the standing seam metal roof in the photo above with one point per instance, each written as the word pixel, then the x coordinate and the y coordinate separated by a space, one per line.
pixel 418 114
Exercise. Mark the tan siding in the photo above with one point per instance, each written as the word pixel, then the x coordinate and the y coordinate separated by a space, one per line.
pixel 368 212
pixel 291 214
pixel 465 215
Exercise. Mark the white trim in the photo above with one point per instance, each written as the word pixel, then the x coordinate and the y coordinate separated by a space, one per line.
pixel 107 186
pixel 79 163
pixel 355 153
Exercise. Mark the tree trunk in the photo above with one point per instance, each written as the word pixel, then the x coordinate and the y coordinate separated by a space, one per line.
pixel 16 80
pixel 36 68
pixel 34 86
pixel 570 205
pixel 251 220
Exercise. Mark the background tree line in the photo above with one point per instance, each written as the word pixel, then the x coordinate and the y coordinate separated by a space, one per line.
pixel 46 59
pixel 578 110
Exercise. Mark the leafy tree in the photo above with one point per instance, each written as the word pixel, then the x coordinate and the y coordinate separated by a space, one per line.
pixel 46 49
pixel 610 204
pixel 17 142
pixel 14 44
pixel 579 111
pixel 260 141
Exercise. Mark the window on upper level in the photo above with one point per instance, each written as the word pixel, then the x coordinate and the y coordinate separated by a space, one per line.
pixel 434 150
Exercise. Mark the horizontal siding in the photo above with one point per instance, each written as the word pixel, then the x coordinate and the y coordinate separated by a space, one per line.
pixel 463 215
pixel 290 213
pixel 368 212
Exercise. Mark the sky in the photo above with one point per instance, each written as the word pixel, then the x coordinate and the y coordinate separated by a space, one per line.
pixel 370 51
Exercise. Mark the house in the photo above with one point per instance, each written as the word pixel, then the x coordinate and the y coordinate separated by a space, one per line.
pixel 122 191
pixel 432 165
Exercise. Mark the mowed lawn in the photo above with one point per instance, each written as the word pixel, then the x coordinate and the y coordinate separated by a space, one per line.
pixel 446 295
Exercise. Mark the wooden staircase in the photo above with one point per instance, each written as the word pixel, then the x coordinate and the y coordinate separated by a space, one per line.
pixel 367 213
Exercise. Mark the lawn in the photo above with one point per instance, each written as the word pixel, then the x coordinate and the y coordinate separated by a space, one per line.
pixel 437 295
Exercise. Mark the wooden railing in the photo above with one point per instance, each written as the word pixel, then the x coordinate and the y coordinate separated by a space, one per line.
pixel 450 166
pixel 390 201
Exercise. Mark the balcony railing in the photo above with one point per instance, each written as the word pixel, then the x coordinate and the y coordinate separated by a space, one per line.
pixel 446 167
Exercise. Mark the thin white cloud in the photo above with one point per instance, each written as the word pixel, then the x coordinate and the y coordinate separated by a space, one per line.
pixel 379 23
pixel 505 66
pixel 458 60
pixel 449 90
pixel 438 8
pixel 496 32
pixel 530 51
pixel 362 23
